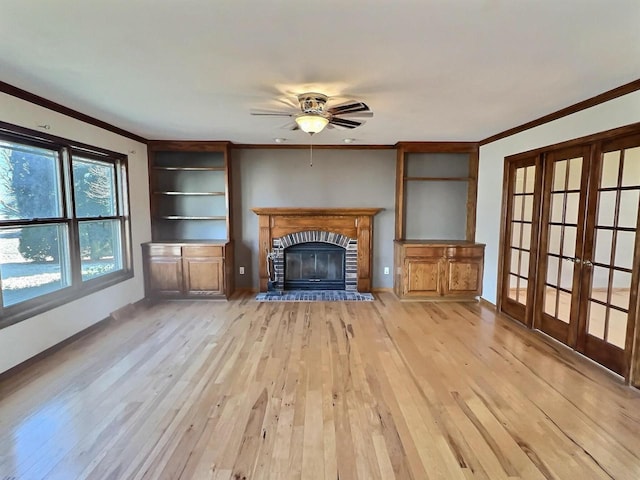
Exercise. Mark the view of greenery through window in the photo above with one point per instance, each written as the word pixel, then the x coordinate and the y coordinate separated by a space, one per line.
pixel 36 222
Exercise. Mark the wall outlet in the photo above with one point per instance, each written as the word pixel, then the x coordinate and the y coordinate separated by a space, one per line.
pixel 241 270
pixel 386 270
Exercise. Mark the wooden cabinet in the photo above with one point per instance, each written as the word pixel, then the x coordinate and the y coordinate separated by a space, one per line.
pixel 203 268
pixel 188 270
pixel 163 270
pixel 434 269
pixel 191 253
pixel 436 185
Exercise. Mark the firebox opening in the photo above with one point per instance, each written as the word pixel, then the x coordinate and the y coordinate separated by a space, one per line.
pixel 314 266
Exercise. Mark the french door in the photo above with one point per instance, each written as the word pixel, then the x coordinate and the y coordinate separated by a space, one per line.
pixel 522 212
pixel 571 263
pixel 561 233
pixel 611 258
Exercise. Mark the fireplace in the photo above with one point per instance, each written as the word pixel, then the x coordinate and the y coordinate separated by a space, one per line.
pixel 350 229
pixel 314 266
pixel 294 260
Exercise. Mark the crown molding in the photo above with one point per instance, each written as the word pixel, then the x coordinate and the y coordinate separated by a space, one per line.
pixel 56 107
pixel 583 105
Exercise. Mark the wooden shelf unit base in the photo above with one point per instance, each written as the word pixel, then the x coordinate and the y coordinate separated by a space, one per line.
pixel 438 270
pixel 188 269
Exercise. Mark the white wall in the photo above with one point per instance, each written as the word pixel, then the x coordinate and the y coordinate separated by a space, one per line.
pixel 615 113
pixel 338 178
pixel 23 340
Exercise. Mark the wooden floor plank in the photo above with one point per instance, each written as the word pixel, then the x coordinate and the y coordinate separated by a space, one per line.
pixel 362 390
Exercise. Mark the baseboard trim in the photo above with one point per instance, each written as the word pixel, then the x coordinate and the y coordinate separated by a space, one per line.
pixel 486 303
pixel 123 313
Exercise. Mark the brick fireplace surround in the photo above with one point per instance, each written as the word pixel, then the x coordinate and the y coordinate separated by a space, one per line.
pixel 351 228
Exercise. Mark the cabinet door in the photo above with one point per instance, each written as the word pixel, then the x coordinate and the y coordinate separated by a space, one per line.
pixel 204 275
pixel 165 276
pixel 463 276
pixel 422 277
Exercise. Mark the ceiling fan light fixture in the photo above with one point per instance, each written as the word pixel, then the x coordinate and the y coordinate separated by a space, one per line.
pixel 311 123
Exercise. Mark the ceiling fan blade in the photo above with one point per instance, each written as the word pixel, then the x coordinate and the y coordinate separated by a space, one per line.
pixel 368 114
pixel 343 122
pixel 289 103
pixel 273 113
pixel 290 126
pixel 349 107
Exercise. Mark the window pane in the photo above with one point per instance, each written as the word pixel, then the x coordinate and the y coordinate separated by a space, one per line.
pixel 604 239
pixel 569 242
pixel 526 236
pixel 550 301
pixel 557 207
pixel 631 171
pixel 559 175
pixel 100 247
pixel 519 184
pixel 573 208
pixel 600 283
pixel 517 207
pixel 531 179
pixel 566 275
pixel 625 244
pixel 620 294
pixel 617 332
pixel 94 187
pixel 610 167
pixel 553 265
pixel 597 315
pixel 515 234
pixel 524 264
pixel 513 287
pixel 628 208
pixel 575 173
pixel 564 307
pixel 527 213
pixel 554 239
pixel 514 260
pixel 29 182
pixel 33 262
pixel 522 295
pixel 606 208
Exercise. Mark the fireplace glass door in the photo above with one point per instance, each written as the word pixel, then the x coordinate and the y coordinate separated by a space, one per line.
pixel 314 266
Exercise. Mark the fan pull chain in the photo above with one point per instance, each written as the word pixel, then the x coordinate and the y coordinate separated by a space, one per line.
pixel 311 151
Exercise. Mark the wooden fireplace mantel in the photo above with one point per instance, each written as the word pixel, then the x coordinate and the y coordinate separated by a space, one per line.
pixel 351 222
pixel 353 212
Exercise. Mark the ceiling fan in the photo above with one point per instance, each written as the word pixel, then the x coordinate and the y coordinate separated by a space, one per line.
pixel 314 115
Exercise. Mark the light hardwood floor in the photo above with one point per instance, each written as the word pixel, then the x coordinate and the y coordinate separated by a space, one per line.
pixel 371 390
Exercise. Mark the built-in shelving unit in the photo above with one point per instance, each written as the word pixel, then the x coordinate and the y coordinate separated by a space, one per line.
pixel 191 254
pixel 436 184
pixel 189 190
pixel 435 254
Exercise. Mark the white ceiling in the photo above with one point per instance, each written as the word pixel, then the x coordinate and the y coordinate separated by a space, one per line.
pixel 429 69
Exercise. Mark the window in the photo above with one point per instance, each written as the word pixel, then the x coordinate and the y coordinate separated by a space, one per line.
pixel 64 222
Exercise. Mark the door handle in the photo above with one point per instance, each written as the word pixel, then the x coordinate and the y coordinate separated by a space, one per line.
pixel 588 263
pixel 574 260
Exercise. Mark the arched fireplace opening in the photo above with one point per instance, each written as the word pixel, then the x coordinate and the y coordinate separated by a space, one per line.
pixel 314 266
